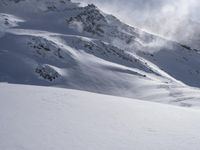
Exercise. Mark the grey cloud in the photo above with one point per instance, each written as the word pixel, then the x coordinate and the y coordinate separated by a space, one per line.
pixel 163 17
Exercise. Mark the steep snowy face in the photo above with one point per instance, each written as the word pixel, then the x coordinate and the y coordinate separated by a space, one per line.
pixel 59 43
pixel 181 62
pixel 34 6
pixel 10 2
pixel 6 2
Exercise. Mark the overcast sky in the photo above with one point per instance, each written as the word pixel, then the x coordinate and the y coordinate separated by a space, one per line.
pixel 151 14
pixel 145 8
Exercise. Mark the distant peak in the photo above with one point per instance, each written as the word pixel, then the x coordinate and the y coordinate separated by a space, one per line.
pixel 91 6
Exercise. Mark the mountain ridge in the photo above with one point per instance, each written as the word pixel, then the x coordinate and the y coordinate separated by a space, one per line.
pixel 65 45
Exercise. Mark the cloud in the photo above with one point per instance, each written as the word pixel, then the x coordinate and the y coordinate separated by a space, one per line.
pixel 163 17
pixel 76 26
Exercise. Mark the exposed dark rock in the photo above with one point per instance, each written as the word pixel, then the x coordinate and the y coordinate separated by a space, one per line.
pixel 47 72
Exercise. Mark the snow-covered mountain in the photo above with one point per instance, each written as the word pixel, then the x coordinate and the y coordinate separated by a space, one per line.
pixel 191 34
pixel 59 61
pixel 59 43
pixel 185 30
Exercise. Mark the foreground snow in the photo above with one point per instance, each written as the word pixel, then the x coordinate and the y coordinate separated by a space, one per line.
pixel 43 118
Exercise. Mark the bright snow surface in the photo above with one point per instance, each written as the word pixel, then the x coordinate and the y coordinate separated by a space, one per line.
pixel 44 118
pixel 60 44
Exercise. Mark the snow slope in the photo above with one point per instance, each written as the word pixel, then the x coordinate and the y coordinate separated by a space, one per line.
pixel 43 118
pixel 54 54
pixel 59 43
